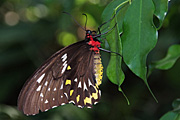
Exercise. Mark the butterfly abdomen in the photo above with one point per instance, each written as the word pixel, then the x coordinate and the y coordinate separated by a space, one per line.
pixel 98 69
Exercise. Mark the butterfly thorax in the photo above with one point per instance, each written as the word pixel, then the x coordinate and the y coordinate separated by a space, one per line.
pixel 91 37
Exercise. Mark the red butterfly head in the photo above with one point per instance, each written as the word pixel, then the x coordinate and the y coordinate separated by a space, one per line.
pixel 93 41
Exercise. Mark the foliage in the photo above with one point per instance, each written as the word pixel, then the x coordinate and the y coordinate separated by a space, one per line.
pixel 175 113
pixel 137 31
pixel 167 62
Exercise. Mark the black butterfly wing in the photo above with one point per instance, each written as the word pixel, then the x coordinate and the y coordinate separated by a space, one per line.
pixel 71 75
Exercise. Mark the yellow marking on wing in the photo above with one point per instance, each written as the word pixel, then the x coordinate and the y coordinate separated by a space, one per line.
pixel 95 95
pixel 77 98
pixel 96 86
pixel 71 92
pixel 88 100
pixel 68 68
pixel 68 82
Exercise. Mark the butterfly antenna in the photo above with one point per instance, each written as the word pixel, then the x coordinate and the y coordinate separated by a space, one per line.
pixel 108 51
pixel 105 32
pixel 86 20
pixel 105 23
pixel 75 20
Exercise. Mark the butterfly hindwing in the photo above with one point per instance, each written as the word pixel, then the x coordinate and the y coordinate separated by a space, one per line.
pixel 68 76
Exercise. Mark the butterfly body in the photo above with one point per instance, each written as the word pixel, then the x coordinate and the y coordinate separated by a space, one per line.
pixel 71 75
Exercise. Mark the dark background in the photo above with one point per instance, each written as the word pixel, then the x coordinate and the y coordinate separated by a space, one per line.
pixel 31 31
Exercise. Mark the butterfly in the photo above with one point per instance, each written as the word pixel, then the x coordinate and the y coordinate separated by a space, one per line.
pixel 71 75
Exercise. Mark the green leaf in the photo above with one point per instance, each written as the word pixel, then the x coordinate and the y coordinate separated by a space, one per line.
pixel 176 105
pixel 11 113
pixel 114 71
pixel 124 95
pixel 161 8
pixel 166 63
pixel 175 113
pixel 139 37
pixel 170 116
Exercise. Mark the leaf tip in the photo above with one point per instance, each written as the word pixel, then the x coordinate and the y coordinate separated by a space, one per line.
pixel 151 92
pixel 124 95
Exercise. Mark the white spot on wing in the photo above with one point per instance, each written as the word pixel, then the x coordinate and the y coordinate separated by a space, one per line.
pixel 46 83
pixel 75 80
pixel 89 82
pixel 49 89
pixel 88 106
pixel 53 99
pixel 80 106
pixel 54 89
pixel 64 68
pixel 66 95
pixel 41 95
pixel 61 86
pixel 46 101
pixel 62 103
pixel 72 102
pixel 39 88
pixel 40 78
pixel 64 57
pixel 79 85
pixel 54 106
pixel 65 62
pixel 95 103
pixel 85 87
pixel 61 96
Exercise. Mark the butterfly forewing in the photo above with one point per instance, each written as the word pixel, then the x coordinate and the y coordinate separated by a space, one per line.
pixel 68 76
